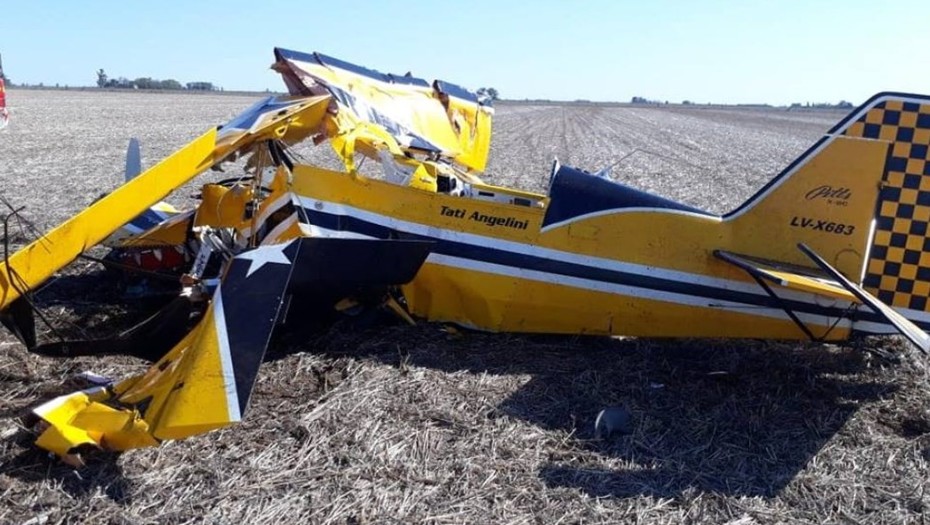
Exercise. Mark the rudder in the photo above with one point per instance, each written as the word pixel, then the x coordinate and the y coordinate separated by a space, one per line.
pixel 898 269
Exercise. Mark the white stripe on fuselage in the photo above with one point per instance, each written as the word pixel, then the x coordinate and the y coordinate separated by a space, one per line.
pixel 527 249
pixel 585 260
pixel 623 289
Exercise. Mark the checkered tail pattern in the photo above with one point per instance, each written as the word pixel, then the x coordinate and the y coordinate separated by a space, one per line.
pixel 898 270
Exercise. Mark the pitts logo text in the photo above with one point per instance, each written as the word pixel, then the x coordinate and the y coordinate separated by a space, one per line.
pixel 829 193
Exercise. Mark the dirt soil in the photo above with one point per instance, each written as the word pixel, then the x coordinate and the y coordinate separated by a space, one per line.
pixel 427 424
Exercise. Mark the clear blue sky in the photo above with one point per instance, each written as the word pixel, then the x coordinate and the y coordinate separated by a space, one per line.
pixel 706 51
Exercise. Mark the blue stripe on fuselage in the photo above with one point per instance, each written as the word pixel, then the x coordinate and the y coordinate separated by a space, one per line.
pixel 531 262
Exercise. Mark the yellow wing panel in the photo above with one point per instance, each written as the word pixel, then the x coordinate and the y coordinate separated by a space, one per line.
pixel 39 260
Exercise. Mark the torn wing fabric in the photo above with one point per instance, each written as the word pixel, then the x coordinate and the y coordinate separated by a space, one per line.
pixel 441 118
pixel 202 384
pixel 471 122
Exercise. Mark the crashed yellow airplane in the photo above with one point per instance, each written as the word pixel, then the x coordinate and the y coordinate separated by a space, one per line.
pixel 836 245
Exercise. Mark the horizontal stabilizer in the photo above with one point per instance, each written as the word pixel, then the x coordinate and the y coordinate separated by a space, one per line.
pixel 908 329
pixel 790 276
pixel 203 383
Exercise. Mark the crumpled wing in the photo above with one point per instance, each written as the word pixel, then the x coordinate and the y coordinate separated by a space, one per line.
pixel 439 118
pixel 288 119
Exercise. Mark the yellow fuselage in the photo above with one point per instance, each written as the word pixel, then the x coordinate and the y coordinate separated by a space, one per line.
pixel 637 272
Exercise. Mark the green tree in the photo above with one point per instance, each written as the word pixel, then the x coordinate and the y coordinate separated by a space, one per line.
pixel 487 93
pixel 170 84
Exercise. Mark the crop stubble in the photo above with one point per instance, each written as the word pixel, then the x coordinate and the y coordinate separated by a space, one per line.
pixel 405 424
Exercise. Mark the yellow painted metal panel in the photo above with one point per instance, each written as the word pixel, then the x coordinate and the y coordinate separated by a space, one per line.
pixel 501 303
pixel 504 221
pixel 202 403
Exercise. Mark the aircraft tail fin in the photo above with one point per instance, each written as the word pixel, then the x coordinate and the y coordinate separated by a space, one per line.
pixel 860 197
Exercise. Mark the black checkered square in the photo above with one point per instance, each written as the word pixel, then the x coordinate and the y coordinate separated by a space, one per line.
pixel 898 270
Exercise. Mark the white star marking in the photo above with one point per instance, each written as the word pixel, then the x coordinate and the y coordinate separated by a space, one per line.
pixel 258 257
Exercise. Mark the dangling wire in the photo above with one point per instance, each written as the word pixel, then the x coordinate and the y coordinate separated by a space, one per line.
pixel 13 278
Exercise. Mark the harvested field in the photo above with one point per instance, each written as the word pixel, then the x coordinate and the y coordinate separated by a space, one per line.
pixel 404 424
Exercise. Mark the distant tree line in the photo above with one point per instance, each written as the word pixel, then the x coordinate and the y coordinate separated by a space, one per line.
pixel 103 81
pixel 644 100
pixel 843 104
